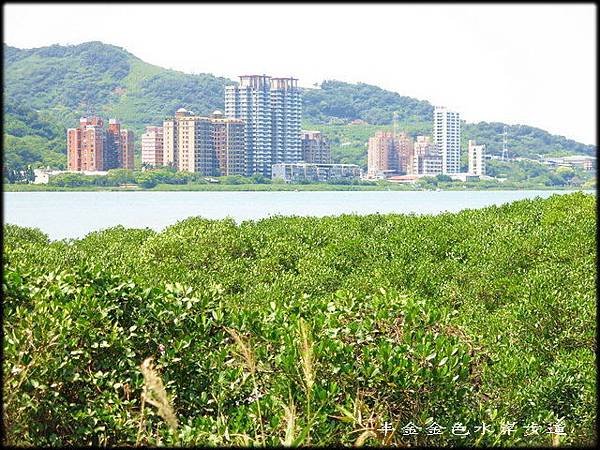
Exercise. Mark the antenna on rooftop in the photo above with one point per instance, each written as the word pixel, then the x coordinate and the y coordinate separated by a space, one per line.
pixel 504 143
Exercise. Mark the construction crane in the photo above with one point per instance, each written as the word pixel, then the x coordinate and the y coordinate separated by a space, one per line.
pixel 395 123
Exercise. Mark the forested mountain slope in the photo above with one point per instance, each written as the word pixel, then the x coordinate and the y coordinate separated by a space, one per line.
pixel 47 89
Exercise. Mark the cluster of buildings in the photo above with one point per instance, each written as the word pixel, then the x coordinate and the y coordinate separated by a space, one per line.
pixel 259 133
pixel 397 157
pixel 584 162
pixel 92 148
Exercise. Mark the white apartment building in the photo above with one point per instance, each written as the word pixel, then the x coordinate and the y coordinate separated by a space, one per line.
pixel 286 114
pixel 476 158
pixel 294 172
pixel 271 110
pixel 152 146
pixel 446 136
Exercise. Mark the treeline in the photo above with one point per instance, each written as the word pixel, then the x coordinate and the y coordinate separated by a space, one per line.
pixel 347 102
pixel 534 173
pixel 150 178
pixel 118 177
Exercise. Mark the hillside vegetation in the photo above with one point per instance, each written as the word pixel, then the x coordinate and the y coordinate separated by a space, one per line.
pixel 306 330
pixel 58 84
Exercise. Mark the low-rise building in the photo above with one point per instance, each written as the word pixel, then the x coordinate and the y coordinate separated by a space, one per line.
pixel 476 154
pixel 42 176
pixel 295 172
pixel 404 179
pixel 584 162
pixel 315 148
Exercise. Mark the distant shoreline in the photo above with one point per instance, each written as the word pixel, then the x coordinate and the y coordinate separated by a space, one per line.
pixel 273 188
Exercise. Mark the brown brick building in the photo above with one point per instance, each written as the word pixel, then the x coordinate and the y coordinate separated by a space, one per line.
pixel 85 145
pixel 315 148
pixel 126 154
pixel 92 148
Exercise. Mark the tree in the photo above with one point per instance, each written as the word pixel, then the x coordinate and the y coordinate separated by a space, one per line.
pixel 258 178
pixel 70 180
pixel 567 173
pixel 443 178
pixel 147 180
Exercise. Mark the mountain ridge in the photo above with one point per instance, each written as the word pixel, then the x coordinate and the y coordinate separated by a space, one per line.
pixel 53 86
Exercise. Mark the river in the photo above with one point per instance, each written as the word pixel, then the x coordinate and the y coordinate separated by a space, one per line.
pixel 74 214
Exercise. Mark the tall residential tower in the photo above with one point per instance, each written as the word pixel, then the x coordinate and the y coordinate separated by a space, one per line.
pixel 271 111
pixel 382 155
pixel 446 137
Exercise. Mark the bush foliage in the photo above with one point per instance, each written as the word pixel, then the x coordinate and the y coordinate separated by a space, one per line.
pixel 302 330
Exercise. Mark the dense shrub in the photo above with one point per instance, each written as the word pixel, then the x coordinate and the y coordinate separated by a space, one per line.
pixel 339 323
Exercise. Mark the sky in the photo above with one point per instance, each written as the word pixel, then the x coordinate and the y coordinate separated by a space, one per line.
pixel 531 64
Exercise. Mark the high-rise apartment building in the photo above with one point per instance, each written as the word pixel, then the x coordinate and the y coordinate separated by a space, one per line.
pixel 271 111
pixel 228 139
pixel 85 145
pixel 113 146
pixel 171 140
pixel 389 154
pixel 382 155
pixel 425 158
pixel 152 147
pixel 127 149
pixel 91 148
pixel 286 114
pixel 446 136
pixel 250 101
pixel 476 155
pixel 315 148
pixel 404 145
pixel 195 151
pixel 207 145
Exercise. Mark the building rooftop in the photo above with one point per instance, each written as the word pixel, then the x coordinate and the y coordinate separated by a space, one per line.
pixel 576 157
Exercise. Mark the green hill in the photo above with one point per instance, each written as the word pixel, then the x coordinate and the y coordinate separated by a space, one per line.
pixel 47 89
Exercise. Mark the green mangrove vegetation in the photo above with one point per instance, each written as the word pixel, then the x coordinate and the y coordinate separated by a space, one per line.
pixel 307 331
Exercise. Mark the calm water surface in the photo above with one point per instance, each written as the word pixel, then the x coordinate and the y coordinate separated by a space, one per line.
pixel 74 214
